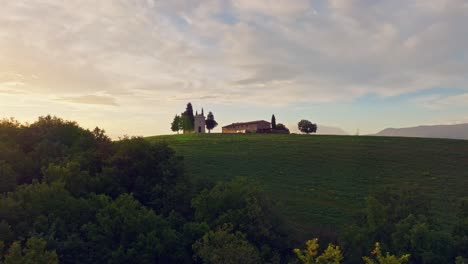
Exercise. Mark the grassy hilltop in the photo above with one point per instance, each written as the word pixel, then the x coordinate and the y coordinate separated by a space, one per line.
pixel 324 179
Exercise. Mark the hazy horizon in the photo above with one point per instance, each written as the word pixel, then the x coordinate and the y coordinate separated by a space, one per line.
pixel 130 66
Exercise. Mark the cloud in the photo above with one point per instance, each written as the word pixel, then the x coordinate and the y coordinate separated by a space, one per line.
pixel 273 7
pixel 204 97
pixel 90 99
pixel 142 51
pixel 10 91
pixel 440 101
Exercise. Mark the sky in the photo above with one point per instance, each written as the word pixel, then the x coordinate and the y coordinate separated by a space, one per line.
pixel 130 66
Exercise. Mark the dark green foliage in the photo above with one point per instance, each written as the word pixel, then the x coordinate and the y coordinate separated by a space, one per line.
pixel 124 231
pixel 210 122
pixel 43 209
pixel 176 124
pixel 35 252
pixel 73 165
pixel 402 222
pixel 5 231
pixel 225 246
pixel 273 122
pixel 151 172
pixel 92 230
pixel 280 128
pixel 28 148
pixel 187 125
pixel 96 201
pixel 189 112
pixel 306 126
pixel 93 200
pixel 460 231
pixel 245 207
pixel 188 118
pixel 7 177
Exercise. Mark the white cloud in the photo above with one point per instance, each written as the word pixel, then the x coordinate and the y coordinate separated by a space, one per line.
pixel 273 7
pixel 439 101
pixel 349 49
pixel 90 99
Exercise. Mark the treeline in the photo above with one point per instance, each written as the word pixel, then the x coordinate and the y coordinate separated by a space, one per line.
pixel 71 195
pixel 403 222
pixel 92 200
pixel 400 227
pixel 406 231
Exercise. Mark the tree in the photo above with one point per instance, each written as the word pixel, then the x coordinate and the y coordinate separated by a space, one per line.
pixel 181 122
pixel 127 232
pixel 151 172
pixel 35 252
pixel 402 222
pixel 210 122
pixel 379 258
pixel 225 246
pixel 184 123
pixel 248 209
pixel 175 125
pixel 331 255
pixel 306 126
pixel 273 122
pixel 280 128
pixel 189 120
pixel 7 177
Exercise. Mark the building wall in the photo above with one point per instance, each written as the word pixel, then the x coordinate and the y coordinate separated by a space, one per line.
pixel 232 131
pixel 264 125
pixel 243 128
pixel 199 124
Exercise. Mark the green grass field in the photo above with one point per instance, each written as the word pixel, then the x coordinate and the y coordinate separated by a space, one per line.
pixel 324 179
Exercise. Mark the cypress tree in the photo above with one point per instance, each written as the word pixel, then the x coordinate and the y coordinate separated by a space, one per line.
pixel 210 122
pixel 191 118
pixel 273 122
pixel 188 118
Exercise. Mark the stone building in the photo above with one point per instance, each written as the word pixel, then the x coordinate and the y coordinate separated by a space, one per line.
pixel 248 127
pixel 200 123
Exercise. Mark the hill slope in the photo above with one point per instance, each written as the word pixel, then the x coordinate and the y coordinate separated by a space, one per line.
pixel 459 131
pixel 324 179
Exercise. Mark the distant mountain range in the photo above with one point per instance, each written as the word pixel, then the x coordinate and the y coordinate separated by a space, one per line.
pixel 459 131
pixel 327 130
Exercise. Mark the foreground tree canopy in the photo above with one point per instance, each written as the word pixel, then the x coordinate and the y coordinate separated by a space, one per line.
pixel 72 195
pixel 87 199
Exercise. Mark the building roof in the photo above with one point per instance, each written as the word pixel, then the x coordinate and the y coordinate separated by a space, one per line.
pixel 246 123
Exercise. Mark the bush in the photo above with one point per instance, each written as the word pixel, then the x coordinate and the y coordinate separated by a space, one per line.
pixel 225 246
pixel 379 258
pixel 401 221
pixel 245 207
pixel 331 255
pixel 34 252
